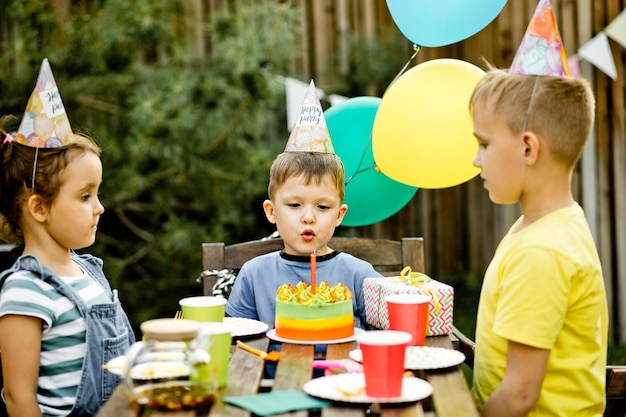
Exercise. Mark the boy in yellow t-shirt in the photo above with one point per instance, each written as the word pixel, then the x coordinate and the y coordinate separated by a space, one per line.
pixel 541 332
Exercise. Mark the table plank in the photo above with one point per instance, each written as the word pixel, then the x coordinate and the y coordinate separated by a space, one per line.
pixel 444 382
pixel 461 404
pixel 245 372
pixel 409 411
pixel 295 366
pixel 294 369
pixel 341 351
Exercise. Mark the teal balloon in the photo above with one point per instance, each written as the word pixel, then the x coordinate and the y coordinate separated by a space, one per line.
pixel 435 23
pixel 371 196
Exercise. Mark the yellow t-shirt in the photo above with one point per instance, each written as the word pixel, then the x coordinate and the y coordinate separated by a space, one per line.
pixel 544 288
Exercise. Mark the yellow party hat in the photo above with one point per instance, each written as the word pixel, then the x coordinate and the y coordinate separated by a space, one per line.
pixel 541 51
pixel 45 123
pixel 310 133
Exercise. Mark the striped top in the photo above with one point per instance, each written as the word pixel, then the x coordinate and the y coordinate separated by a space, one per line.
pixel 63 344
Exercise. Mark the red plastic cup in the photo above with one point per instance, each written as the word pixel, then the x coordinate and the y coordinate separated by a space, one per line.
pixel 383 361
pixel 409 313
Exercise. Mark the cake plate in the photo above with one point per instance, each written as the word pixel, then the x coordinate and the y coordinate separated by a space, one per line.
pixel 272 335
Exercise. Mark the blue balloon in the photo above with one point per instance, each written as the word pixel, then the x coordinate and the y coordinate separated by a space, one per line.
pixel 371 196
pixel 442 22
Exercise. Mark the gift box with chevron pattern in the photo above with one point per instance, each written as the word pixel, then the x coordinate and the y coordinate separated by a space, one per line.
pixel 441 305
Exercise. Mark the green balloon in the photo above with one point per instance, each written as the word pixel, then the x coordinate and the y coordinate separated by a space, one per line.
pixel 371 196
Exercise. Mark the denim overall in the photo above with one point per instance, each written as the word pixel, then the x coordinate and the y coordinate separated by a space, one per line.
pixel 108 331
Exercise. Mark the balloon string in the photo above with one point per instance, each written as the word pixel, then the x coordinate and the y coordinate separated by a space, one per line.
pixel 361 171
pixel 416 49
pixel 358 167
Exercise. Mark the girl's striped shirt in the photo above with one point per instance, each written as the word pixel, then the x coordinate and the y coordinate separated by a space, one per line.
pixel 63 344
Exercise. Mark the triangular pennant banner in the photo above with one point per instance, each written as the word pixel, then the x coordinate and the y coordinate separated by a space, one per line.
pixel 598 53
pixel 294 91
pixel 616 30
pixel 335 99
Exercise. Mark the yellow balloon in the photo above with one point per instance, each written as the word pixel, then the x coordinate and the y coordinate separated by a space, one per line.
pixel 422 134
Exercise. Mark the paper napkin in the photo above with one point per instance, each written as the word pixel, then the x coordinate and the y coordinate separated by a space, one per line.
pixel 277 402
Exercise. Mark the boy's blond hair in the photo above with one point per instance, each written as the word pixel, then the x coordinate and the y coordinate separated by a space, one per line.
pixel 312 166
pixel 562 109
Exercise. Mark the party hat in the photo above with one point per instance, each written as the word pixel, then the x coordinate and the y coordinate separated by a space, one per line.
pixel 310 133
pixel 541 51
pixel 45 124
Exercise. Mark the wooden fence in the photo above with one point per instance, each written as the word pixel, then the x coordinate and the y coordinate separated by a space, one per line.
pixel 460 225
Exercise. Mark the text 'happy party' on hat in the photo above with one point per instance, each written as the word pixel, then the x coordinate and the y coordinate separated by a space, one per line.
pixel 45 123
pixel 310 133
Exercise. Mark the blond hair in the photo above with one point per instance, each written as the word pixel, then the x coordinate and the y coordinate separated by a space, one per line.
pixel 562 109
pixel 312 166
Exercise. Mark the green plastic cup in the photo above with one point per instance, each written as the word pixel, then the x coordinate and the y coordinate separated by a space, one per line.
pixel 203 308
pixel 217 339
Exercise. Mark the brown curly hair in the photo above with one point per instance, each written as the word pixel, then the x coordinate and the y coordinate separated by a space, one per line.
pixel 16 177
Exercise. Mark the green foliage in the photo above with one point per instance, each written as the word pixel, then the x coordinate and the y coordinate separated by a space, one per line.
pixel 188 109
pixel 187 137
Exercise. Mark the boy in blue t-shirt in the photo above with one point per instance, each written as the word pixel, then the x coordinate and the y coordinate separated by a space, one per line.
pixel 306 191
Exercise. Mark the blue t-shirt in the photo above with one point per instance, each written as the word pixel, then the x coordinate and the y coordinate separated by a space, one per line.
pixel 254 293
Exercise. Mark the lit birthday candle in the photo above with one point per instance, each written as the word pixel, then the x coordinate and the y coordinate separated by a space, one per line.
pixel 313 265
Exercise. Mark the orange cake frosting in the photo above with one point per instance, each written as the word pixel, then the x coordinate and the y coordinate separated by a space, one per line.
pixel 324 315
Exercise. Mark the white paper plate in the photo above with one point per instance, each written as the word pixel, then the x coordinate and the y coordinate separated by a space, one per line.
pixel 245 327
pixel 424 357
pixel 159 370
pixel 351 388
pixel 148 370
pixel 272 335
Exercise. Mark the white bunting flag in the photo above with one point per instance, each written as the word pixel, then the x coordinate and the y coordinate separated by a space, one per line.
pixel 598 53
pixel 617 29
pixel 335 99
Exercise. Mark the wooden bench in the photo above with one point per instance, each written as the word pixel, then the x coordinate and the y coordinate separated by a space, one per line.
pixel 615 391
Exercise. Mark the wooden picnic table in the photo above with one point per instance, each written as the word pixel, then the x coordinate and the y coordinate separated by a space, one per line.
pixel 451 396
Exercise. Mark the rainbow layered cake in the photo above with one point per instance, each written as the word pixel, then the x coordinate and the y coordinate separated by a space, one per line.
pixel 324 315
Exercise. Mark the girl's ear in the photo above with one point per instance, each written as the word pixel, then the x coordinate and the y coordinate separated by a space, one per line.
pixel 37 208
pixel 268 208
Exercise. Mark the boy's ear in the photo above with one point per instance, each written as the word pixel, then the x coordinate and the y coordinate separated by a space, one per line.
pixel 268 208
pixel 37 208
pixel 531 147
pixel 342 213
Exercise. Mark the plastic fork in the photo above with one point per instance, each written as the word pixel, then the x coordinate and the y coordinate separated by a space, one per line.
pixel 178 315
pixel 271 356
